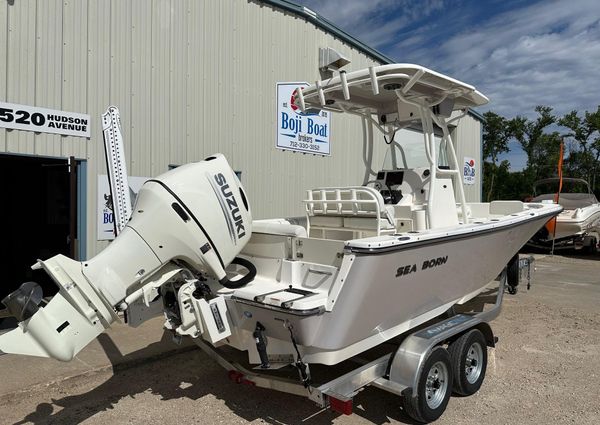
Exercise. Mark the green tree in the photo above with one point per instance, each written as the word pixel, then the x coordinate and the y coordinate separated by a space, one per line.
pixel 546 152
pixel 496 134
pixel 585 132
pixel 530 135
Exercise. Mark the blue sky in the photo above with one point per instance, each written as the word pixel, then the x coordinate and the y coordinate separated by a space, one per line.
pixel 518 53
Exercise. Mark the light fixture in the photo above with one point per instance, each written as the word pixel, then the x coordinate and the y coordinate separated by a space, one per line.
pixel 331 60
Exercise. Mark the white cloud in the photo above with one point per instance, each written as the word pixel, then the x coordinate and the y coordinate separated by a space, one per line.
pixel 375 22
pixel 546 53
pixel 542 53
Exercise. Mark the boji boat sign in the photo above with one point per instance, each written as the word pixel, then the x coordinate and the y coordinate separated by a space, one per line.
pixel 42 120
pixel 469 170
pixel 306 132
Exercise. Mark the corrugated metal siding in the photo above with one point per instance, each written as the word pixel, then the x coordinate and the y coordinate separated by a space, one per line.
pixel 20 59
pixel 191 78
pixel 48 70
pixel 3 69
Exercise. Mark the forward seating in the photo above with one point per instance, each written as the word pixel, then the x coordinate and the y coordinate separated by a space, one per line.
pixel 348 213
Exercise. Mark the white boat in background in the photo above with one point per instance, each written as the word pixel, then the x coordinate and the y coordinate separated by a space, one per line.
pixel 368 263
pixel 578 225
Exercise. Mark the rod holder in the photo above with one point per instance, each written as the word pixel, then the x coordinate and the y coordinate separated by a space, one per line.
pixel 344 85
pixel 321 92
pixel 374 84
pixel 301 99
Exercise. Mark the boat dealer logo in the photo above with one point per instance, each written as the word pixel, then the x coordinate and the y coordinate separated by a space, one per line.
pixel 427 264
pixel 469 171
pixel 231 210
pixel 293 105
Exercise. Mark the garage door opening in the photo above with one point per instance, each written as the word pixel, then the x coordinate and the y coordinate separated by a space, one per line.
pixel 39 217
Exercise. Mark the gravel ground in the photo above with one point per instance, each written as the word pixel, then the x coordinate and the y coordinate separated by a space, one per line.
pixel 545 369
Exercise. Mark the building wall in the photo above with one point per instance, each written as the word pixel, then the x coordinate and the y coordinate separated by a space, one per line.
pixel 190 78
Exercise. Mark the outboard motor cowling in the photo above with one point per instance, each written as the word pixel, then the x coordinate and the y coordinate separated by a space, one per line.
pixel 197 213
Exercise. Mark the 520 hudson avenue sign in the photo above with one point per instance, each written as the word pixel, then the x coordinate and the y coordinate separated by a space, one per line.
pixel 32 118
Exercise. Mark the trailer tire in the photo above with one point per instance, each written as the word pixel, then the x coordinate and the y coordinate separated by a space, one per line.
pixel 512 274
pixel 592 248
pixel 433 388
pixel 468 355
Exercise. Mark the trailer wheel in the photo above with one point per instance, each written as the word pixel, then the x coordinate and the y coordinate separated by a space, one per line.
pixel 512 274
pixel 592 247
pixel 433 388
pixel 468 355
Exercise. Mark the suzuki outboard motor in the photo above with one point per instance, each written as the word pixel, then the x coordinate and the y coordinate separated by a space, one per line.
pixel 196 214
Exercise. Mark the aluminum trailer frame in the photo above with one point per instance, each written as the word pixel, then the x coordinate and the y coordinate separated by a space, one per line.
pixel 397 372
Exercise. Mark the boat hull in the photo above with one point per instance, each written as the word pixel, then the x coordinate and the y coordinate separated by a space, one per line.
pixel 570 229
pixel 388 292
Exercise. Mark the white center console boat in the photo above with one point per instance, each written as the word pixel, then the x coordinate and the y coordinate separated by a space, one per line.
pixel 367 264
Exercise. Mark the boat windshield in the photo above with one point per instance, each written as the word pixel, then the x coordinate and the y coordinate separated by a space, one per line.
pixel 408 151
pixel 575 193
pixel 568 186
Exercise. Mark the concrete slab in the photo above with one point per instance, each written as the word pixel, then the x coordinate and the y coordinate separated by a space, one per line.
pixel 119 347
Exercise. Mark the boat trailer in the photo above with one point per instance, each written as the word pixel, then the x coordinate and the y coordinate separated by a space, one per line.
pixel 421 368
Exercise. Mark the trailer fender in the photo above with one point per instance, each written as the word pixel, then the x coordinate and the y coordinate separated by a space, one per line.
pixel 406 364
pixel 488 334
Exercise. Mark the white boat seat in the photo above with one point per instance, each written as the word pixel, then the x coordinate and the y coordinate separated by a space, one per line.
pixel 278 228
pixel 505 207
pixel 325 221
pixel 353 208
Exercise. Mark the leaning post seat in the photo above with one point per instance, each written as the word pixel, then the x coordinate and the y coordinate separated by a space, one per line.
pixel 278 227
pixel 355 209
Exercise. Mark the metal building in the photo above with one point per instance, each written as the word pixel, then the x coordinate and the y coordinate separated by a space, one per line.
pixel 190 78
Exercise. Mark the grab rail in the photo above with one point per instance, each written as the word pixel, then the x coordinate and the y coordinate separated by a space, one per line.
pixel 347 201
